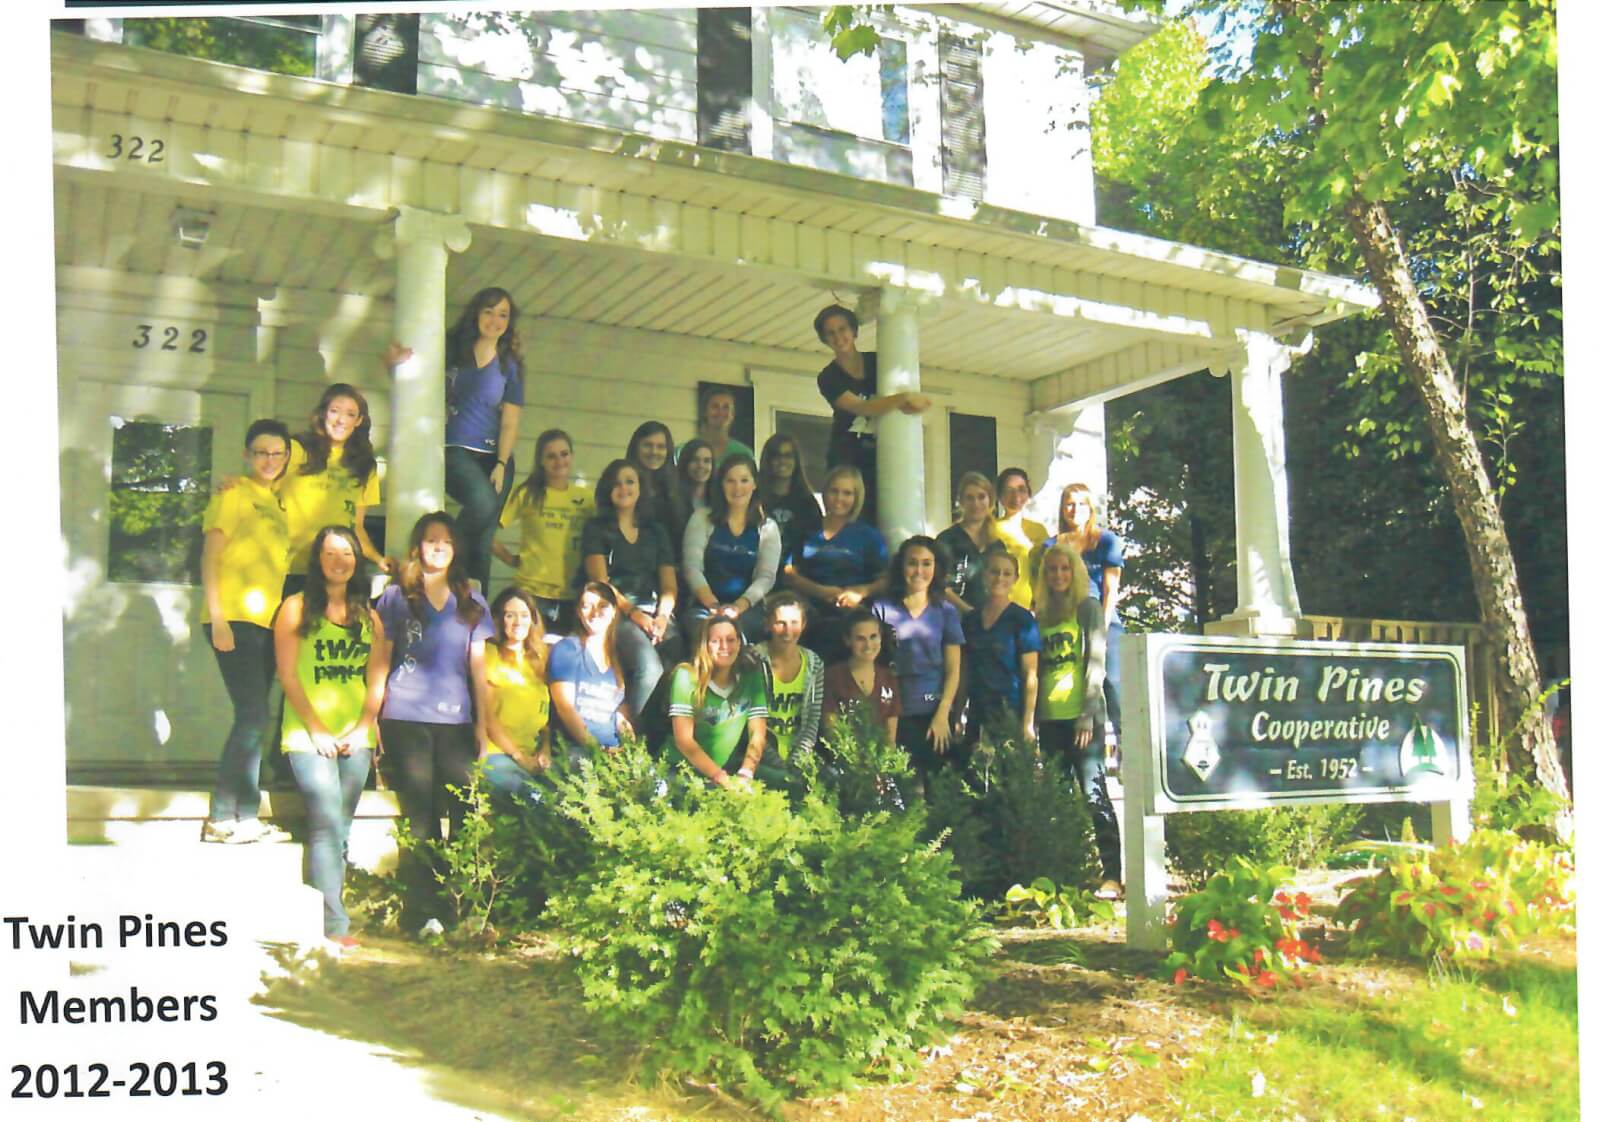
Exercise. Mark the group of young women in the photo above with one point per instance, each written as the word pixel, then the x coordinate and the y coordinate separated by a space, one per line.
pixel 634 609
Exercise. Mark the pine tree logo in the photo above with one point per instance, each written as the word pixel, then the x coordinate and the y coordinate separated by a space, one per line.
pixel 1421 750
pixel 1201 754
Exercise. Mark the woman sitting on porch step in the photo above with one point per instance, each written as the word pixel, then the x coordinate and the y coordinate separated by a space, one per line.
pixel 927 633
pixel 849 384
pixel 483 400
pixel 696 465
pixel 333 663
pixel 719 702
pixel 841 563
pixel 550 507
pixel 731 551
pixel 586 686
pixel 626 548
pixel 650 449
pixel 514 734
pixel 786 492
pixel 1071 693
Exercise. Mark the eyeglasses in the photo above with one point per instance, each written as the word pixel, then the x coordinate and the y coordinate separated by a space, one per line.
pixel 263 455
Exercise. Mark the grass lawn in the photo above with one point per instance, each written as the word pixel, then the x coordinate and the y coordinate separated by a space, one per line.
pixel 1071 1026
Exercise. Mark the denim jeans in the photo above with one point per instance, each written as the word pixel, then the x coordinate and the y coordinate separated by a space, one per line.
pixel 643 663
pixel 466 480
pixel 1088 767
pixel 247 673
pixel 1113 685
pixel 510 780
pixel 331 787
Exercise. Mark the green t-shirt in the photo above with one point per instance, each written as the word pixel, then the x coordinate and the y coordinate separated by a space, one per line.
pixel 783 717
pixel 331 664
pixel 720 720
pixel 1062 672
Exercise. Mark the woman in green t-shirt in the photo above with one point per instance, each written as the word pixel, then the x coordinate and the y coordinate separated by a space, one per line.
pixel 719 699
pixel 331 662
pixel 1072 709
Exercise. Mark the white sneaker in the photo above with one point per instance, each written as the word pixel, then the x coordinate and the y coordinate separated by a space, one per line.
pixel 247 831
pixel 432 927
pixel 217 831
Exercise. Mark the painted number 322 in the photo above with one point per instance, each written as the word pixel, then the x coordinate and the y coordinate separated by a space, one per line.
pixel 169 338
pixel 133 148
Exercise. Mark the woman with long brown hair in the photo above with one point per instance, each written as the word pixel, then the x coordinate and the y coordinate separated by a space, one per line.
pixel 331 478
pixel 586 685
pixel 550 508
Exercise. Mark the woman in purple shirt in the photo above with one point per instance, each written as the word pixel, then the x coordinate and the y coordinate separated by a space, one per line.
pixel 483 396
pixel 928 637
pixel 435 627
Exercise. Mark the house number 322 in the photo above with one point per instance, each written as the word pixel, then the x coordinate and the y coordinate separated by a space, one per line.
pixel 133 148
pixel 169 339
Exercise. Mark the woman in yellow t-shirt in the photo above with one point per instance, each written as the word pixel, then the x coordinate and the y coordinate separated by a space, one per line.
pixel 333 665
pixel 514 733
pixel 550 507
pixel 242 568
pixel 332 478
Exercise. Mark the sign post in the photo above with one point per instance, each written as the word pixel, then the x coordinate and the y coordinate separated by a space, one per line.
pixel 1221 723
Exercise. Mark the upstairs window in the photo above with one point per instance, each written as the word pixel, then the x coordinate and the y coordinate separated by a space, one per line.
pixel 281 44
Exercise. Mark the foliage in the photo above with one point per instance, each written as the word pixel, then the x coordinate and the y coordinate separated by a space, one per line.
pixel 1199 845
pixel 865 770
pixel 847 29
pixel 1241 927
pixel 1044 905
pixel 1015 816
pixel 1467 901
pixel 776 952
pixel 242 42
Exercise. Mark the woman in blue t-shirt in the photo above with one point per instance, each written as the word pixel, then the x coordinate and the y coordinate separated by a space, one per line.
pixel 1002 656
pixel 731 551
pixel 928 637
pixel 483 396
pixel 837 566
pixel 586 688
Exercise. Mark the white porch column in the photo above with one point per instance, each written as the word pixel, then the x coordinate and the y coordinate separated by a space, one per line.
pixel 1268 601
pixel 1069 446
pixel 902 506
pixel 420 242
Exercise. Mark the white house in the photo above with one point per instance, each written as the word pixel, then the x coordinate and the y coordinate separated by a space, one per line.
pixel 670 195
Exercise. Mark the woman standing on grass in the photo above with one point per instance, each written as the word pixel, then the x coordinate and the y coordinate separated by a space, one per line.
pixel 332 662
pixel 331 479
pixel 586 686
pixel 1101 551
pixel 550 508
pixel 483 399
pixel 242 570
pixel 928 637
pixel 1002 654
pixel 514 737
pixel 1072 700
pixel 436 628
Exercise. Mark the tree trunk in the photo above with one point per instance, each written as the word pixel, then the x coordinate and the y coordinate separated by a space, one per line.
pixel 1531 749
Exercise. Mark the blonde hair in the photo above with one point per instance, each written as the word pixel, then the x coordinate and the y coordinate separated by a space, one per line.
pixel 853 474
pixel 700 666
pixel 1054 607
pixel 1091 526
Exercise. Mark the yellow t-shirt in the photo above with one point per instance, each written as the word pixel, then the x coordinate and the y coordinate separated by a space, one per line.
pixel 518 697
pixel 552 535
pixel 1021 535
pixel 255 552
pixel 327 498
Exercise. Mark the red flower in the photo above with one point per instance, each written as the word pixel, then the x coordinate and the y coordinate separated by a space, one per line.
pixel 1286 913
pixel 1449 889
pixel 1430 909
pixel 1402 898
pixel 1314 955
pixel 1303 902
pixel 1260 954
pixel 1213 928
pixel 1267 978
pixel 1180 976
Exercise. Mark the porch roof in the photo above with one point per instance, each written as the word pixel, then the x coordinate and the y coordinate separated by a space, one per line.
pixel 604 226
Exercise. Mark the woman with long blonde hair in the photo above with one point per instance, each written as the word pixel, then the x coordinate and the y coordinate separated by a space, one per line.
pixel 719 699
pixel 514 740
pixel 1071 693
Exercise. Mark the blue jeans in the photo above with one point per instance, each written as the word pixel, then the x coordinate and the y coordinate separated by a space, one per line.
pixel 643 662
pixel 505 777
pixel 331 788
pixel 247 673
pixel 466 480
pixel 1088 767
pixel 1113 685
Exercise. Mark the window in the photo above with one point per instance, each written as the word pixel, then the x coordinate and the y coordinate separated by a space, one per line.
pixel 961 132
pixel 810 432
pixel 892 88
pixel 282 44
pixel 972 448
pixel 160 484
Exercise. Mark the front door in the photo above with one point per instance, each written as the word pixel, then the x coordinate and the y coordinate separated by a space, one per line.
pixel 138 463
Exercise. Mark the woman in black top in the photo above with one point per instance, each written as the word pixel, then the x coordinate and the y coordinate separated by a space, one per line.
pixel 787 492
pixel 651 450
pixel 632 552
pixel 849 384
pixel 968 539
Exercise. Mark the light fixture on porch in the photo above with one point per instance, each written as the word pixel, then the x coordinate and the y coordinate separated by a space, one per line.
pixel 191 226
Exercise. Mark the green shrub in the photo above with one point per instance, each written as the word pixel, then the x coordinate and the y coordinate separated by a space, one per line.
pixel 865 770
pixel 1014 817
pixel 1199 845
pixel 1242 927
pixel 1045 905
pixel 1464 901
pixel 777 952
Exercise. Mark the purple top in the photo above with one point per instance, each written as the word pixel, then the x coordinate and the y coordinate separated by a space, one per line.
pixel 474 397
pixel 919 650
pixel 430 675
